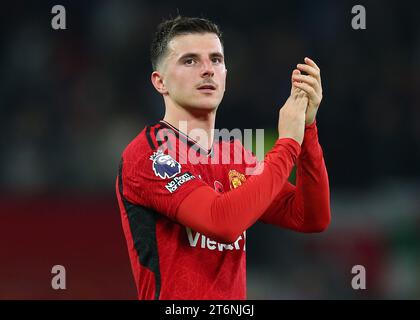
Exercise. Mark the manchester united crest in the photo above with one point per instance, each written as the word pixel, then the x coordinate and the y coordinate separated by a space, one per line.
pixel 236 179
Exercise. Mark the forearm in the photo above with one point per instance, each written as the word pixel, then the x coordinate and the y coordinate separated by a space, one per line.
pixel 312 184
pixel 306 207
pixel 225 216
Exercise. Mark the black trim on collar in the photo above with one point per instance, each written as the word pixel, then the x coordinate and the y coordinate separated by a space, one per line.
pixel 186 139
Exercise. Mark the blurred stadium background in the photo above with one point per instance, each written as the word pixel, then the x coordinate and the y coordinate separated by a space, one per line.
pixel 71 100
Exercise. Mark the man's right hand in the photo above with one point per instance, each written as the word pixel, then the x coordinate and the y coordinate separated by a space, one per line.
pixel 292 115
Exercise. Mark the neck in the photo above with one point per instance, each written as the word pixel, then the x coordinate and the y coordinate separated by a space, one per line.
pixel 196 124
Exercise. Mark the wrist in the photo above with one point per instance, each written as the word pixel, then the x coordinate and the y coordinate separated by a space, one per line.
pixel 310 124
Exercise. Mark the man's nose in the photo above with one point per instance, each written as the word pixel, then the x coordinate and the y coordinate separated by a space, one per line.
pixel 207 69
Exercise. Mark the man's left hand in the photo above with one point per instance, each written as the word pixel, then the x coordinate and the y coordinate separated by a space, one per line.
pixel 311 84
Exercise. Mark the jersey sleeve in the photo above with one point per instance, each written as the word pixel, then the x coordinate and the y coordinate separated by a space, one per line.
pixel 157 181
pixel 306 206
pixel 225 216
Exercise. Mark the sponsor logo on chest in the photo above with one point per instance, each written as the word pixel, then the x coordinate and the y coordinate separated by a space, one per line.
pixel 198 240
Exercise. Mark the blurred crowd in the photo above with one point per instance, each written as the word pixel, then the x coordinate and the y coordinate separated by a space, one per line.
pixel 70 100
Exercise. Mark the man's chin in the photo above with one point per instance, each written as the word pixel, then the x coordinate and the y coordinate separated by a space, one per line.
pixel 205 106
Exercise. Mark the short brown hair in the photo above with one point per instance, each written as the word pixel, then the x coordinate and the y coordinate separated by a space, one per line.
pixel 171 28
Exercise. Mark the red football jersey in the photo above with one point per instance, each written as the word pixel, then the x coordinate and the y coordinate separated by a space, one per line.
pixel 169 260
pixel 161 167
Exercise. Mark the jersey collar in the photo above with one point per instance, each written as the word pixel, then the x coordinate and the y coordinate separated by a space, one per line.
pixel 191 142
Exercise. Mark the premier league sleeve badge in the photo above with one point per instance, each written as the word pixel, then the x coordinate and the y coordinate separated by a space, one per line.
pixel 164 166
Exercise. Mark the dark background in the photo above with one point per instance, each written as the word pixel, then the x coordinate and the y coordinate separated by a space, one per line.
pixel 71 100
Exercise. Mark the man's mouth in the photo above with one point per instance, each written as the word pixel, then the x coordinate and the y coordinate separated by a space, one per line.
pixel 207 87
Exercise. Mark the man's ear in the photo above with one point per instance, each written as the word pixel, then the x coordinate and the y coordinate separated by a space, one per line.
pixel 157 81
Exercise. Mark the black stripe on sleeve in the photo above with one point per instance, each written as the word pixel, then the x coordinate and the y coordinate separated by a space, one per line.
pixel 159 141
pixel 142 223
pixel 149 138
pixel 162 137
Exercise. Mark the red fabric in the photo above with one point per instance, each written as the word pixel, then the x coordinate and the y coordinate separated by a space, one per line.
pixel 225 216
pixel 184 221
pixel 306 206
pixel 190 264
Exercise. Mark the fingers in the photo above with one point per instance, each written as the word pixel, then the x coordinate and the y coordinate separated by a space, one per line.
pixel 312 79
pixel 312 82
pixel 310 91
pixel 298 94
pixel 310 68
pixel 294 73
pixel 307 79
pixel 311 63
pixel 309 83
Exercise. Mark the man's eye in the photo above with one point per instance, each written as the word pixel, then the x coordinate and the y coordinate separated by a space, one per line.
pixel 189 62
pixel 217 60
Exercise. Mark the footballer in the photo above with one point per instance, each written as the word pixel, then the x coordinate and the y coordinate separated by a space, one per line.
pixel 184 208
